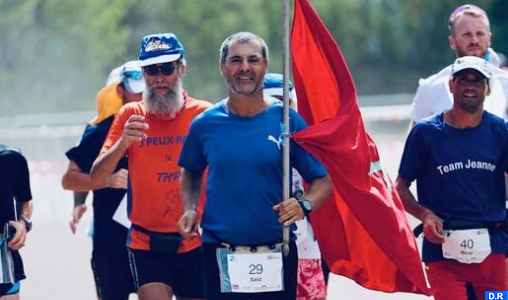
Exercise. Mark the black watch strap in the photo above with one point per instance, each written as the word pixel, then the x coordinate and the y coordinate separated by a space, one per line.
pixel 27 222
pixel 306 206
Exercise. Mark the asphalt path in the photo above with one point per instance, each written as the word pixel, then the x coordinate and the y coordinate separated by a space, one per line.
pixel 57 263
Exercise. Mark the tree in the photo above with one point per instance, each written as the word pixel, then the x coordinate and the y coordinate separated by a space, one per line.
pixel 57 53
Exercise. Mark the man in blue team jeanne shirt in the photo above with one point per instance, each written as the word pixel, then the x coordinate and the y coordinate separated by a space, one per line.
pixel 458 158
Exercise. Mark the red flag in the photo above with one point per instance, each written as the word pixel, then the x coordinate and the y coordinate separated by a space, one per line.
pixel 363 231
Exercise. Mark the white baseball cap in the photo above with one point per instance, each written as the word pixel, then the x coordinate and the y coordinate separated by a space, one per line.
pixel 132 78
pixel 472 62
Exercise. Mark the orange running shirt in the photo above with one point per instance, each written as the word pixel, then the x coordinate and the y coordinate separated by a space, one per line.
pixel 154 175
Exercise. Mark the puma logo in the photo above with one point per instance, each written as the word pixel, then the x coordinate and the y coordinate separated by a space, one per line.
pixel 277 142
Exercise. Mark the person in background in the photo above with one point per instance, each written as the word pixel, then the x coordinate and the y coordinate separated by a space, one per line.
pixel 110 261
pixel 311 281
pixel 469 35
pixel 14 189
pixel 150 134
pixel 461 195
pixel 239 141
pixel 503 62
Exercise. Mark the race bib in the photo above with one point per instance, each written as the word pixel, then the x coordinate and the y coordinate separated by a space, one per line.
pixel 467 246
pixel 244 271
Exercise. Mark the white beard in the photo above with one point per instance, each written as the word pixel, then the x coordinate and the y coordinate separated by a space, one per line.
pixel 169 104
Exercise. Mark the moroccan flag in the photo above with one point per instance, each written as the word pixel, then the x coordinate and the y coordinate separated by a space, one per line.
pixel 363 232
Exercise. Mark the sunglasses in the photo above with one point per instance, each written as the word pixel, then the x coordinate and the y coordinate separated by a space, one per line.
pixel 166 69
pixel 136 75
pixel 462 9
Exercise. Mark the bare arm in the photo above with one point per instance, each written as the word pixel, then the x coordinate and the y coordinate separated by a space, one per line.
pixel 409 201
pixel 290 211
pixel 106 163
pixel 27 208
pixel 19 238
pixel 78 210
pixel 76 180
pixel 190 189
pixel 79 198
pixel 432 224
pixel 319 191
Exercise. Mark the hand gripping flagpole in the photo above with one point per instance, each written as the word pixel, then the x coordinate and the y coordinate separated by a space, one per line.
pixel 285 132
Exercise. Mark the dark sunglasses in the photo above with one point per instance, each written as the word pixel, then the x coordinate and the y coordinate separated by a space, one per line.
pixel 166 69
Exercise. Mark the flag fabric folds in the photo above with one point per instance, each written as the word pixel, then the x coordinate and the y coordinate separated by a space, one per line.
pixel 363 232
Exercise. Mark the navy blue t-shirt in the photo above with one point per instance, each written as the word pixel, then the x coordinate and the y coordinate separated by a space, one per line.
pixel 105 201
pixel 14 186
pixel 459 173
pixel 14 182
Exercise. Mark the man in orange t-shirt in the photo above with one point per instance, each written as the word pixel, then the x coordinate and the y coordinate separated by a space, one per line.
pixel 151 134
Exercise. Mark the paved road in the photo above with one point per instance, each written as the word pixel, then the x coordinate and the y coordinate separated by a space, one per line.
pixel 57 262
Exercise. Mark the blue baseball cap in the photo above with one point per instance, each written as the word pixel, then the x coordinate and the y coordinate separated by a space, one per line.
pixel 159 48
pixel 274 84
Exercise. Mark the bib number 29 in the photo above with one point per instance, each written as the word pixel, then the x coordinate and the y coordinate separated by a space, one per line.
pixel 255 269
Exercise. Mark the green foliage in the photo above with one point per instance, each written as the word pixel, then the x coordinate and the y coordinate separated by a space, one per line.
pixel 56 54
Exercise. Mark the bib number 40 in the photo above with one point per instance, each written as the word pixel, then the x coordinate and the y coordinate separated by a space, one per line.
pixel 467 244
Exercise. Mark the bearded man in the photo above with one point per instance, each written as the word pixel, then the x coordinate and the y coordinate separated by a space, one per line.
pixel 151 134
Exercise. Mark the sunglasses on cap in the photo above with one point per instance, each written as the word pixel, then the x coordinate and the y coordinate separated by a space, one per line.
pixel 463 8
pixel 136 75
pixel 166 69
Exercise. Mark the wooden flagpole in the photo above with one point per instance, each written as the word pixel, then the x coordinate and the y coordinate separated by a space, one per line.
pixel 286 170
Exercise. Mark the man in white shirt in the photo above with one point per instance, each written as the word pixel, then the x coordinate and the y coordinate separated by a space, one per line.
pixel 469 35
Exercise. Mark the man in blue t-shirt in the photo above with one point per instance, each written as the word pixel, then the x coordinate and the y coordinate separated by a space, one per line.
pixel 458 158
pixel 239 140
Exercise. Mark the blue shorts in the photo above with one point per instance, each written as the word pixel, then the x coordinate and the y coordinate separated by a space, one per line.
pixel 9 288
pixel 19 274
pixel 181 271
pixel 212 277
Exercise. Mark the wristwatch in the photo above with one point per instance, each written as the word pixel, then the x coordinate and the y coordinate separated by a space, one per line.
pixel 306 206
pixel 28 223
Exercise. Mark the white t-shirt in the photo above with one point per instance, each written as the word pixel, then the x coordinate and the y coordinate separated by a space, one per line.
pixel 433 94
pixel 306 243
